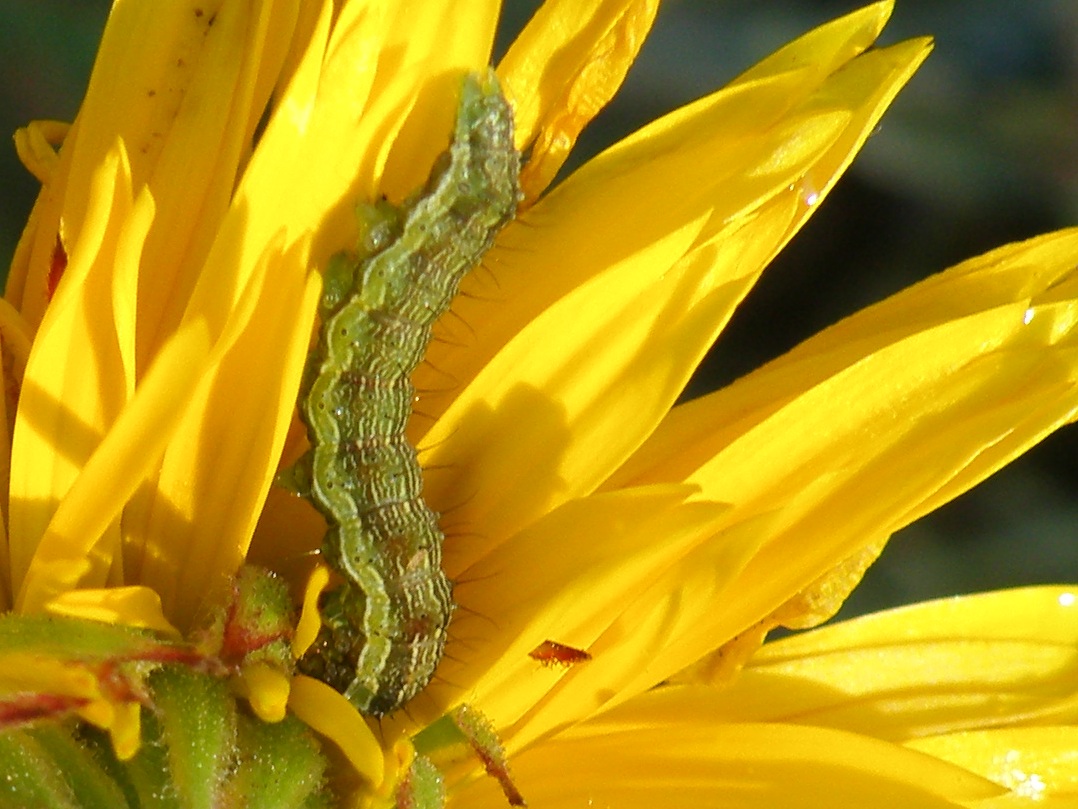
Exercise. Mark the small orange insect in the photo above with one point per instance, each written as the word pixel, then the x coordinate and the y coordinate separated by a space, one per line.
pixel 552 653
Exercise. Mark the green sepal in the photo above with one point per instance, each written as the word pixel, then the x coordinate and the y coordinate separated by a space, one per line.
pixel 98 745
pixel 89 779
pixel 200 748
pixel 119 657
pixel 281 767
pixel 423 786
pixel 197 751
pixel 467 725
pixel 31 777
pixel 218 756
pixel 256 624
pixel 46 768
pixel 148 775
pixel 197 717
pixel 84 640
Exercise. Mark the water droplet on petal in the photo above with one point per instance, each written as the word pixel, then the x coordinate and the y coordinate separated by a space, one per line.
pixel 1027 316
pixel 806 190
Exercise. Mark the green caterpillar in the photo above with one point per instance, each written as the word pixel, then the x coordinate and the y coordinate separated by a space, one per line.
pixel 384 629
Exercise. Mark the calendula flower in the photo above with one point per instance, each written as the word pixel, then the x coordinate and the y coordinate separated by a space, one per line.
pixel 618 560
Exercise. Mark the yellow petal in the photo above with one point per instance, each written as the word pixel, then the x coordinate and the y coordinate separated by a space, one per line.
pixel 140 200
pixel 75 358
pixel 125 732
pixel 653 624
pixel 190 533
pixel 367 109
pixel 331 715
pixel 31 672
pixel 1038 764
pixel 75 550
pixel 36 145
pixel 429 44
pixel 310 620
pixel 57 687
pixel 562 69
pixel 826 47
pixel 690 761
pixel 525 594
pixel 316 145
pixel 186 118
pixel 945 666
pixel 864 427
pixel 638 258
pixel 131 606
pixel 267 689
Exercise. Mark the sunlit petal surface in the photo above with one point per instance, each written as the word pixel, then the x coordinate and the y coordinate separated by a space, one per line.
pixel 618 559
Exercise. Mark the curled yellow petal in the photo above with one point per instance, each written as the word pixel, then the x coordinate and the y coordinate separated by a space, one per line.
pixel 310 620
pixel 131 606
pixel 331 715
pixel 562 69
pixel 36 146
pixel 125 730
pixel 267 690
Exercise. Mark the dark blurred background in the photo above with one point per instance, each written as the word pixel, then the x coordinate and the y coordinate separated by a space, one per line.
pixel 979 150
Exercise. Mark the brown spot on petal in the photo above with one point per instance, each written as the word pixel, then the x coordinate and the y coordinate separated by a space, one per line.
pixel 57 265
